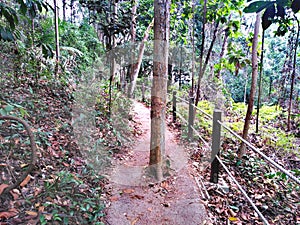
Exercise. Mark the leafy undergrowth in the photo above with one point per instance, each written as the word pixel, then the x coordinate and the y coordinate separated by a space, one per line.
pixel 275 195
pixel 63 188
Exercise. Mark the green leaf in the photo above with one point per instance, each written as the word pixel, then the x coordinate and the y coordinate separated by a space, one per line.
pixel 268 17
pixel 23 7
pixel 5 34
pixel 295 6
pixel 9 17
pixel 257 6
pixel 283 3
pixel 9 108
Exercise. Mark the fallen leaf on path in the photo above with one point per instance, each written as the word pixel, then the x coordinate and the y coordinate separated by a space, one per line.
pixel 128 191
pixel 137 196
pixel 233 219
pixel 25 181
pixel 10 213
pixel 24 165
pixel 31 213
pixel 2 187
pixel 41 208
pixel 164 185
pixel 114 198
pixel 134 221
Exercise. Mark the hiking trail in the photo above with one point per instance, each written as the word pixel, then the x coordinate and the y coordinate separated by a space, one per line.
pixel 136 200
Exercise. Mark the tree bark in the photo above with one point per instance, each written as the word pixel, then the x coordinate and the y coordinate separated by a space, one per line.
pixel 202 70
pixel 201 53
pixel 33 154
pixel 260 81
pixel 64 9
pixel 293 77
pixel 56 38
pixel 224 47
pixel 159 85
pixel 253 85
pixel 114 7
pixel 133 37
pixel 136 66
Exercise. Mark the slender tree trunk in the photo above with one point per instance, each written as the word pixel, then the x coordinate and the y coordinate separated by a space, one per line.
pixel 133 37
pixel 193 50
pixel 159 85
pixel 202 71
pixel 293 77
pixel 253 85
pixel 270 88
pixel 136 66
pixel 245 88
pixel 56 38
pixel 72 11
pixel 223 50
pixel 64 9
pixel 260 81
pixel 201 53
pixel 112 58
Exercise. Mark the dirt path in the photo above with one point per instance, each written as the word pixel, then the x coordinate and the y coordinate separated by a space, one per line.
pixel 135 200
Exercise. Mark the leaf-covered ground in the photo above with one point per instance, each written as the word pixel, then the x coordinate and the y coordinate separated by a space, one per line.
pixel 275 195
pixel 62 188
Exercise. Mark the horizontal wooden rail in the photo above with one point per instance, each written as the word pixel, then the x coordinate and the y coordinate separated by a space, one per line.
pixel 203 112
pixel 271 161
pixel 182 118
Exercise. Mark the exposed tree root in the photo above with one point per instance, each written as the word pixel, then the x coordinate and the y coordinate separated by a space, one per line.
pixel 33 154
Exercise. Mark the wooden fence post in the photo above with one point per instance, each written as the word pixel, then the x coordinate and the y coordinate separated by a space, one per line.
pixel 215 147
pixel 143 92
pixel 174 106
pixel 191 119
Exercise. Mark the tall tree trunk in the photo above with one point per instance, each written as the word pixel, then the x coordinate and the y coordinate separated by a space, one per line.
pixel 133 37
pixel 113 10
pixel 71 7
pixel 260 80
pixel 193 50
pixel 64 5
pixel 202 70
pixel 293 77
pixel 201 53
pixel 56 38
pixel 253 85
pixel 223 50
pixel 159 85
pixel 136 66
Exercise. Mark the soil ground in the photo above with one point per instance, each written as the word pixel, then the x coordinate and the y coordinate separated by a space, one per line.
pixel 136 199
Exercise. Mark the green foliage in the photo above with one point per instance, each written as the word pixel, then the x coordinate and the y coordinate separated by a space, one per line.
pixel 80 47
pixel 237 126
pixel 12 109
pixel 278 138
pixel 201 120
pixel 83 203
pixel 11 13
pixel 275 11
pixel 269 113
pixel 206 106
pixel 258 6
pixel 283 177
